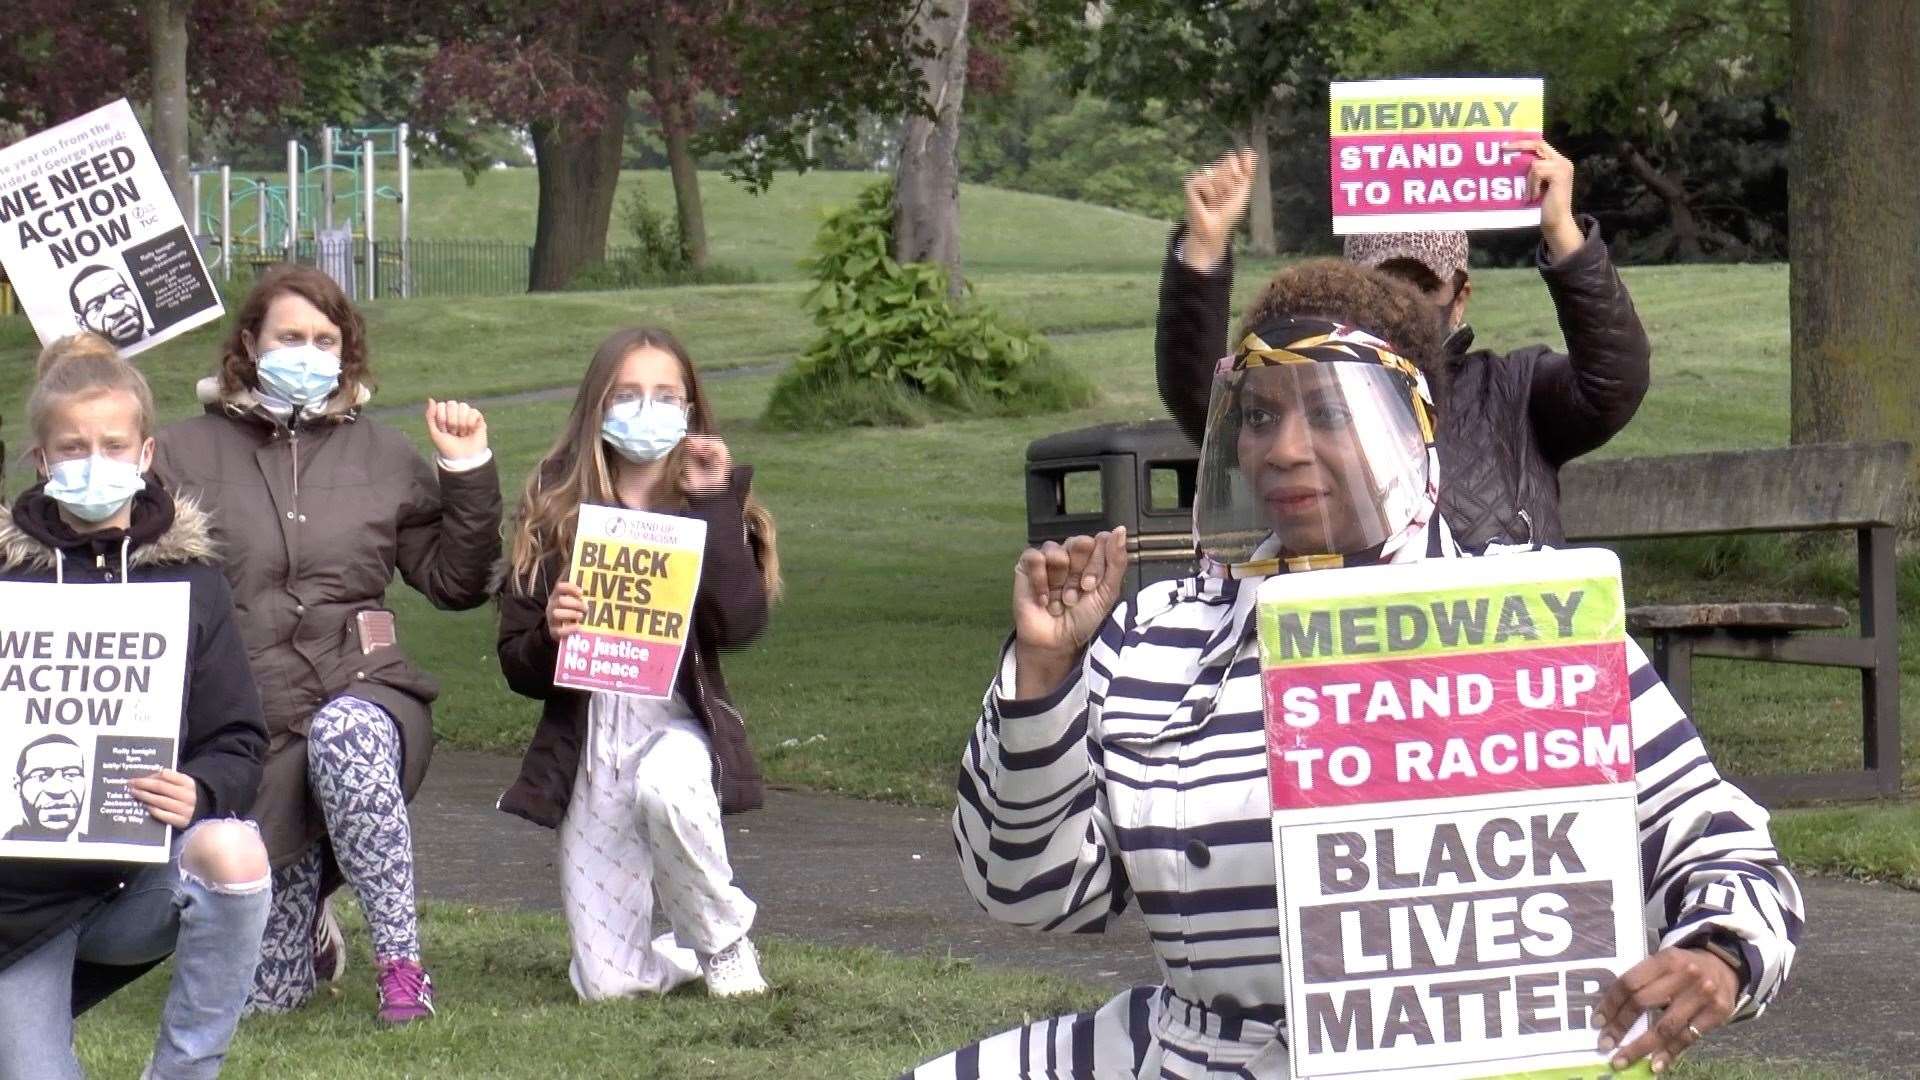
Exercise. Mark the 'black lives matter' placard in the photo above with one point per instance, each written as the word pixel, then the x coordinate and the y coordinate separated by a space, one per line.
pixel 1455 825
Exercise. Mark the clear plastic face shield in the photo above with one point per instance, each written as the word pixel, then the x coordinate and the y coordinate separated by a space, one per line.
pixel 1316 452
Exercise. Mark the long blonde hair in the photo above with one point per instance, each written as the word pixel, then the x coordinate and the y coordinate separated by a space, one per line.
pixel 577 470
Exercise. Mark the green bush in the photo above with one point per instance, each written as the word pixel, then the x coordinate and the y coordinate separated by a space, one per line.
pixel 658 246
pixel 896 350
pixel 659 255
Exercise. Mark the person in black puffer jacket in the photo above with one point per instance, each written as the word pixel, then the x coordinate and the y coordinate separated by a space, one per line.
pixel 72 931
pixel 1510 421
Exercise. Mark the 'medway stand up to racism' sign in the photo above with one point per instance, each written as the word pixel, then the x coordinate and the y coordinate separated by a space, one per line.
pixel 1412 155
pixel 92 239
pixel 1453 813
pixel 639 572
pixel 92 679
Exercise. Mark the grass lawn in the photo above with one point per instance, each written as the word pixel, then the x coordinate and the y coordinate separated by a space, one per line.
pixel 506 1010
pixel 899 544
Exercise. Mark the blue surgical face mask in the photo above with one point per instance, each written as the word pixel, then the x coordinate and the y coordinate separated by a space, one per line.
pixel 644 431
pixel 299 374
pixel 94 488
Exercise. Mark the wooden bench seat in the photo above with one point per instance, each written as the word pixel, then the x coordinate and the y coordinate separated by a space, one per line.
pixel 1837 486
pixel 1761 618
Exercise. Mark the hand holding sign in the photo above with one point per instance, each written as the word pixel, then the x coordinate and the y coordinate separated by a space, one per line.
pixel 1061 595
pixel 1217 199
pixel 565 610
pixel 169 796
pixel 458 430
pixel 1693 989
pixel 708 465
pixel 1550 182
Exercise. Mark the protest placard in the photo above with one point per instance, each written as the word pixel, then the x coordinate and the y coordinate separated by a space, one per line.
pixel 92 238
pixel 1454 813
pixel 92 681
pixel 1414 155
pixel 639 572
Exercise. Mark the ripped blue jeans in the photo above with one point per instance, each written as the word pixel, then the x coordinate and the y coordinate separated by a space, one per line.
pixel 212 931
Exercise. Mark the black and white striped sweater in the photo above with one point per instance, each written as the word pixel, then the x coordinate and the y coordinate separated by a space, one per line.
pixel 1120 786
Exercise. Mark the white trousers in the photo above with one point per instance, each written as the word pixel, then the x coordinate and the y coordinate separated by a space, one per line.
pixel 644 820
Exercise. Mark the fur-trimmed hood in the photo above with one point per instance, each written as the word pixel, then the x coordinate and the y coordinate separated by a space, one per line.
pixel 188 539
pixel 247 403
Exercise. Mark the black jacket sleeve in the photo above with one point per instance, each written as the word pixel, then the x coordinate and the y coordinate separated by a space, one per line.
pixel 1580 400
pixel 730 609
pixel 1190 335
pixel 225 732
pixel 527 653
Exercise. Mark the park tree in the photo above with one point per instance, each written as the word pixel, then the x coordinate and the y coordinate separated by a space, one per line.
pixel 1249 68
pixel 186 60
pixel 1626 84
pixel 1856 223
pixel 926 187
pixel 566 69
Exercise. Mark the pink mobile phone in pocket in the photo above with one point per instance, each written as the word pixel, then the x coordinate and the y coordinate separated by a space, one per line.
pixel 376 630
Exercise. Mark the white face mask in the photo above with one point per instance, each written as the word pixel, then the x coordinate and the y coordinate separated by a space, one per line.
pixel 95 488
pixel 298 374
pixel 644 431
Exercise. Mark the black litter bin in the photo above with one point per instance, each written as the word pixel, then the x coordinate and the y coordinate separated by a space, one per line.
pixel 1137 475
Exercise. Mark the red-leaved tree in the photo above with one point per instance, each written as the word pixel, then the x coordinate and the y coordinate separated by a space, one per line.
pixel 566 69
pixel 219 61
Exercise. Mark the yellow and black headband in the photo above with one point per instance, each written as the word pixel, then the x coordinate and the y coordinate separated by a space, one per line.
pixel 1318 341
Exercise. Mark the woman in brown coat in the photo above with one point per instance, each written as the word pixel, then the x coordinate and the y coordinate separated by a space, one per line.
pixel 314 507
pixel 636 786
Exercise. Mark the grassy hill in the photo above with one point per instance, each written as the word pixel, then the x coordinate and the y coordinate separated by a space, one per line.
pixel 768 233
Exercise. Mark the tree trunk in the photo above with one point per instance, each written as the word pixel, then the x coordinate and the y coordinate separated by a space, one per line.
pixel 167 46
pixel 1260 238
pixel 1855 239
pixel 666 89
pixel 926 189
pixel 1686 227
pixel 578 172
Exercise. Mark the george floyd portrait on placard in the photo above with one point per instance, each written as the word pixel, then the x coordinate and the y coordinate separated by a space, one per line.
pixel 51 781
pixel 106 304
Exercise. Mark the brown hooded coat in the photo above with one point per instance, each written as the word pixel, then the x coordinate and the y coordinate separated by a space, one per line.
pixel 313 520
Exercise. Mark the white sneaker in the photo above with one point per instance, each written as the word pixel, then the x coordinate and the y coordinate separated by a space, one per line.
pixel 329 946
pixel 734 971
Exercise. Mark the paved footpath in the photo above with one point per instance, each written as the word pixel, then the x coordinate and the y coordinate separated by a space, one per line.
pixel 846 872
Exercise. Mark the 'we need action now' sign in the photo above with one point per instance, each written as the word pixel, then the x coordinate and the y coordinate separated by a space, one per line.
pixel 1451 758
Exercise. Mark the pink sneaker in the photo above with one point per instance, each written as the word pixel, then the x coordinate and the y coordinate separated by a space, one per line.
pixel 406 992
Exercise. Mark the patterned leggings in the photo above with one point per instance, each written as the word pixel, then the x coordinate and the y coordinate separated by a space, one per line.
pixel 353 767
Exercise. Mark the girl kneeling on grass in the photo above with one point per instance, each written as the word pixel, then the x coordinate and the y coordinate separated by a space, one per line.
pixel 73 932
pixel 635 786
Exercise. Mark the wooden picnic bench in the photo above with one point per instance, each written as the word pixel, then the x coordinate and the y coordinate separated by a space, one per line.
pixel 1819 487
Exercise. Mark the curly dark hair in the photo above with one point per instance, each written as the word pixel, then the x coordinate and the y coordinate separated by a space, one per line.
pixel 1382 305
pixel 237 371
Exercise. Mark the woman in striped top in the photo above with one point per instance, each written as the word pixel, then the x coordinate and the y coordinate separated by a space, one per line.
pixel 1120 752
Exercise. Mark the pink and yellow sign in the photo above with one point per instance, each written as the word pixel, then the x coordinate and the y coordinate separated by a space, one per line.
pixel 1414 155
pixel 639 573
pixel 1450 756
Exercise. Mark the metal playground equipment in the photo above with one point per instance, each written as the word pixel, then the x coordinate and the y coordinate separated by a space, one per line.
pixel 323 214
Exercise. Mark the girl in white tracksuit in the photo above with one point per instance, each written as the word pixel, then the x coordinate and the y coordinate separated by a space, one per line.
pixel 1122 760
pixel 636 786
